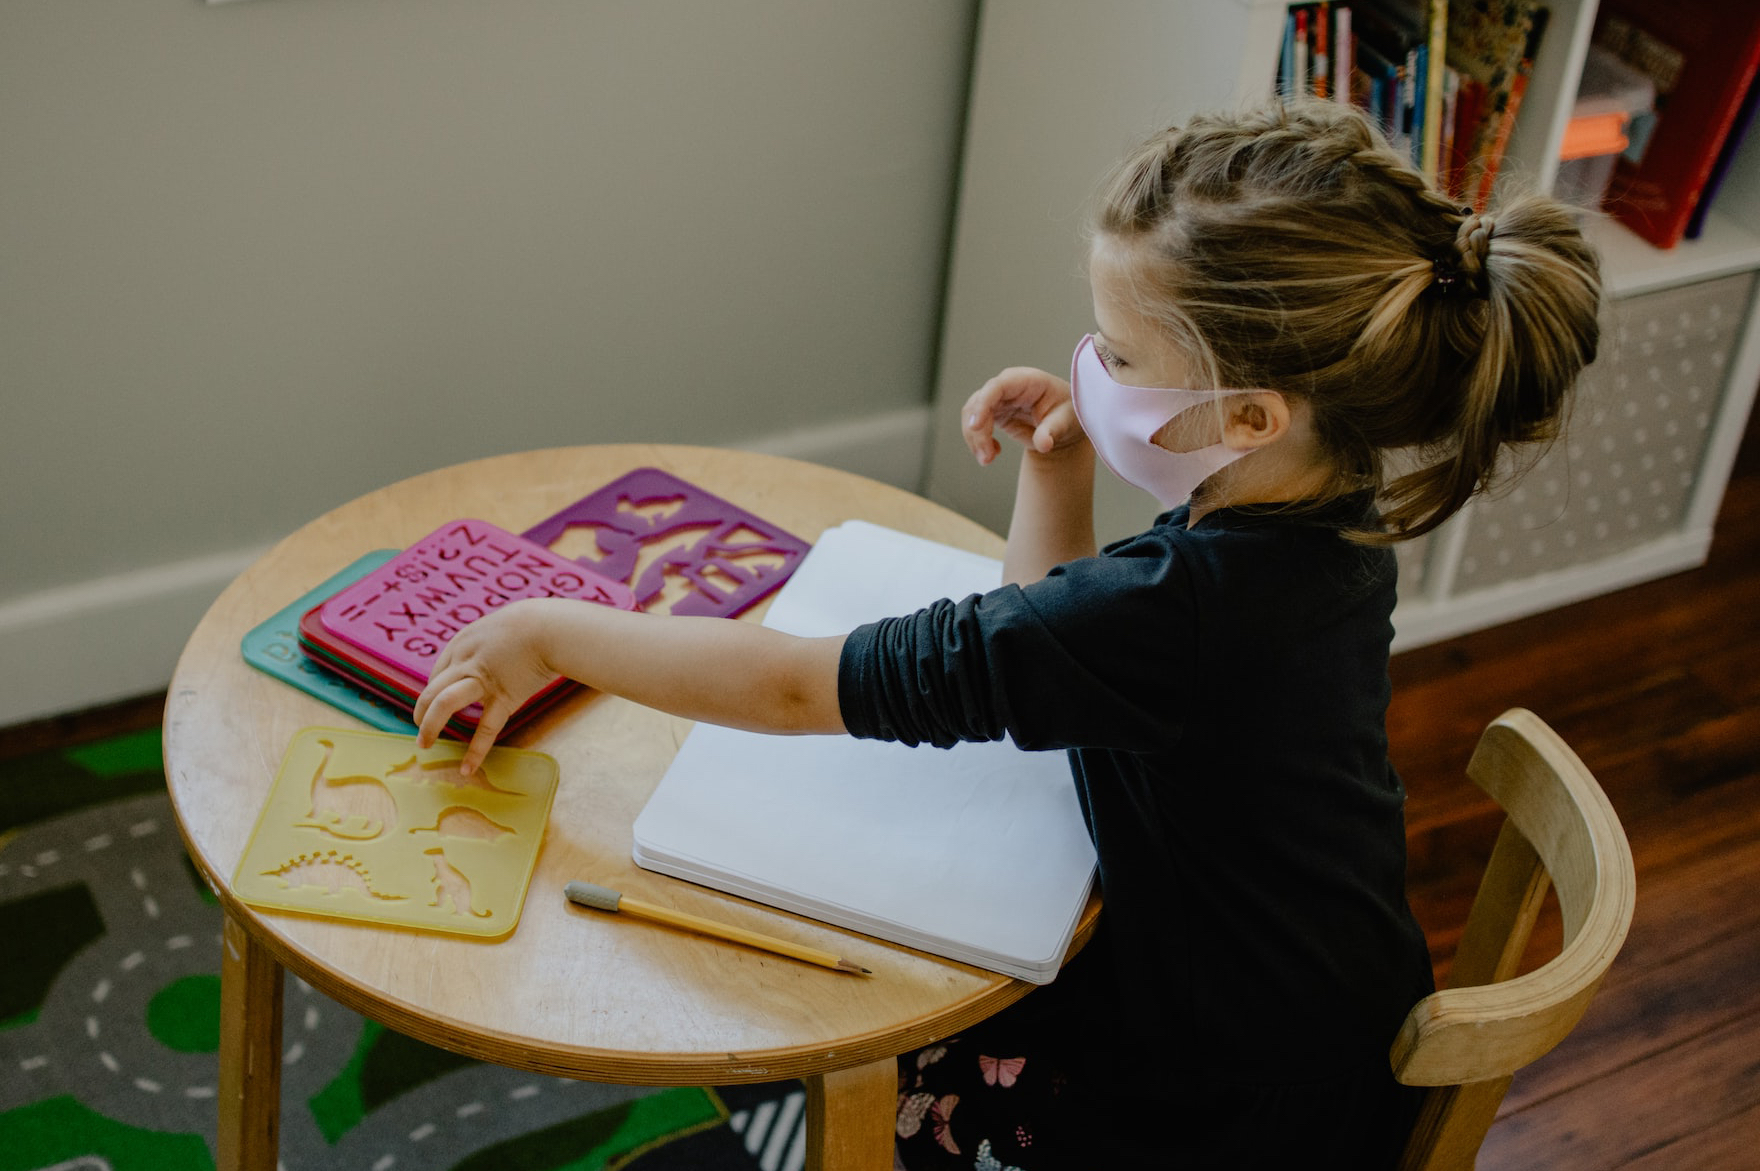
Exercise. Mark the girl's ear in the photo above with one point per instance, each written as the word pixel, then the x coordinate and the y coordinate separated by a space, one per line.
pixel 1255 419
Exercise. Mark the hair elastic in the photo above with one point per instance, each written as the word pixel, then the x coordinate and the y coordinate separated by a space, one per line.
pixel 1447 279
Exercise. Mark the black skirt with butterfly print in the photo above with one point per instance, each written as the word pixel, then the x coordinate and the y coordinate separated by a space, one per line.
pixel 979 1101
pixel 1001 1097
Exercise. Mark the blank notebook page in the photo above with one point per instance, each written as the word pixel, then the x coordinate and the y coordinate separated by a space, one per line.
pixel 977 853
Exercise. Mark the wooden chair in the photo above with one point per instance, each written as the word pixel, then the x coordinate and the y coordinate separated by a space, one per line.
pixel 1467 1040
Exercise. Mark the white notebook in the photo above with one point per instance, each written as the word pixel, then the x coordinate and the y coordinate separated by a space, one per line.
pixel 977 853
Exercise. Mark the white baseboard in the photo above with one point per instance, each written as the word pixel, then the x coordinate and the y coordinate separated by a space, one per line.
pixel 93 642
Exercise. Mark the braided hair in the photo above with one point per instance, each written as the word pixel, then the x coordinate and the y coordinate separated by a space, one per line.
pixel 1291 249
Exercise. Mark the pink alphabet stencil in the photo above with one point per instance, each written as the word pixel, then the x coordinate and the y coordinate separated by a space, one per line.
pixel 406 610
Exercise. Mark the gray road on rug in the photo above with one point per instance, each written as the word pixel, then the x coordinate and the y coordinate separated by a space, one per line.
pixel 91 1040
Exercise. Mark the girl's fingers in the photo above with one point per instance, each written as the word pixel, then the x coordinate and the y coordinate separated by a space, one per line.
pixel 979 441
pixel 1004 402
pixel 439 704
pixel 1059 428
pixel 483 739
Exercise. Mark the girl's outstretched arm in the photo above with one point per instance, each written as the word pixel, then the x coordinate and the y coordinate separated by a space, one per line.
pixel 1053 519
pixel 733 673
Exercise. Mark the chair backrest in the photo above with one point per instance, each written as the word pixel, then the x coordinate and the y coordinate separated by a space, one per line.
pixel 1465 1041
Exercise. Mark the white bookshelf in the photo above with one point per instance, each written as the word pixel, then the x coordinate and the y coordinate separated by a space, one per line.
pixel 1060 90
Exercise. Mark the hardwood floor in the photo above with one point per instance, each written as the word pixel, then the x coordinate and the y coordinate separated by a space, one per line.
pixel 1657 687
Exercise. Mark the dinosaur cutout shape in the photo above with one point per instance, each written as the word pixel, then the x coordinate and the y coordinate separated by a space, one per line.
pixel 461 821
pixel 356 808
pixel 330 871
pixel 452 890
pixel 443 772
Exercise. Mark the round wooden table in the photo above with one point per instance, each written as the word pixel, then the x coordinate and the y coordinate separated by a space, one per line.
pixel 569 993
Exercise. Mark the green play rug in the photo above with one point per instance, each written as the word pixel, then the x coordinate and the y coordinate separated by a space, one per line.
pixel 109 1023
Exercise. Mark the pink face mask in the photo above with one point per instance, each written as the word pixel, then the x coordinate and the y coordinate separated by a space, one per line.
pixel 1121 422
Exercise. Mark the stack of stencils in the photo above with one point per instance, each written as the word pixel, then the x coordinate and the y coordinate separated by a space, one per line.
pixel 384 633
pixel 366 639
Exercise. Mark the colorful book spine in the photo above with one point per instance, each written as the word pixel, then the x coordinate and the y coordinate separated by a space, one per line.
pixel 1343 55
pixel 1732 143
pixel 1299 81
pixel 1435 54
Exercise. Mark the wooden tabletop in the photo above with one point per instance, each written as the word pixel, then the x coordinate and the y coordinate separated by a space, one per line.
pixel 571 992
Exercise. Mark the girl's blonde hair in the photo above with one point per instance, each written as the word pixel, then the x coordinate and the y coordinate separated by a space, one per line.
pixel 1292 249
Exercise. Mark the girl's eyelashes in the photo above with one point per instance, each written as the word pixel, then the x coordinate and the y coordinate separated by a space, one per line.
pixel 1107 357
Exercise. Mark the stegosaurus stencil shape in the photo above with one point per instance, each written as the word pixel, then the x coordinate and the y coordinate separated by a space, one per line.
pixel 331 871
pixel 461 858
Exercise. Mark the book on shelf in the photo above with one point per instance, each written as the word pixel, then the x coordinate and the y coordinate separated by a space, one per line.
pixel 1498 122
pixel 1732 144
pixel 1702 56
pixel 1443 79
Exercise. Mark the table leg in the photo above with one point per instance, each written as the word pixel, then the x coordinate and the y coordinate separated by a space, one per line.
pixel 250 1053
pixel 851 1117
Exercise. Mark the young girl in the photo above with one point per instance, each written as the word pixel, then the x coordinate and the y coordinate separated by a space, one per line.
pixel 1220 681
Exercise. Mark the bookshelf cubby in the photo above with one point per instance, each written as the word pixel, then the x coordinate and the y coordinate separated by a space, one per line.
pixel 1058 91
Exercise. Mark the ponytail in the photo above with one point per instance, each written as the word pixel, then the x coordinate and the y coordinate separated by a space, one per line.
pixel 1529 289
pixel 1292 249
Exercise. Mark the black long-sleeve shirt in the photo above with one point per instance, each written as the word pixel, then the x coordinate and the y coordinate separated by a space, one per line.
pixel 1222 691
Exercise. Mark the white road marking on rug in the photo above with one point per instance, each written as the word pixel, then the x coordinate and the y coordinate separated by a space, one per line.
pixel 776 1130
pixel 782 1132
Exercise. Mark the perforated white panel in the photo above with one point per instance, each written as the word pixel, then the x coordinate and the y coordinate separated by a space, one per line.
pixel 1414 576
pixel 1625 470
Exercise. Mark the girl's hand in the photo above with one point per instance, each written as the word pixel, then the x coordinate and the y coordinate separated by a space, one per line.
pixel 497 661
pixel 1030 406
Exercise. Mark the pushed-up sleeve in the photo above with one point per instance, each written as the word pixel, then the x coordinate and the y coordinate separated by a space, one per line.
pixel 1089 657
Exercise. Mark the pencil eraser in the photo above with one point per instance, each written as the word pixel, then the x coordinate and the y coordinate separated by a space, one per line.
pixel 588 895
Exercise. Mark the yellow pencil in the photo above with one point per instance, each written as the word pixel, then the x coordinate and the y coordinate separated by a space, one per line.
pixel 588 895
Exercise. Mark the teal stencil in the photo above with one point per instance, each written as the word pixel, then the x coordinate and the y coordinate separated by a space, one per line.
pixel 273 647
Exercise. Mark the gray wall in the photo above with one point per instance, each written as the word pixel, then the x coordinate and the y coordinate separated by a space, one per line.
pixel 257 258
pixel 1034 155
